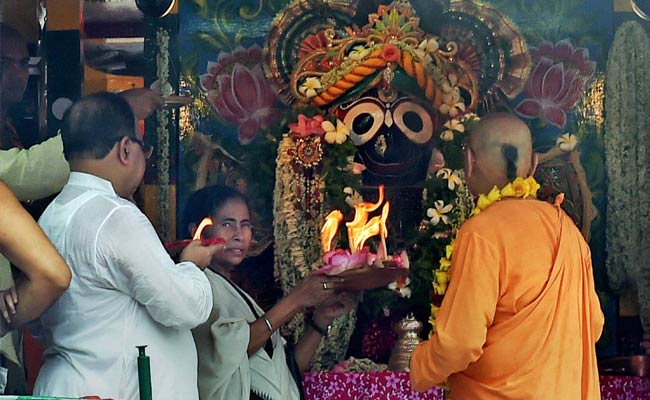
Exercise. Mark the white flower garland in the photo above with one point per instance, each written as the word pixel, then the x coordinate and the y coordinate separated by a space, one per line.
pixel 162 117
pixel 298 251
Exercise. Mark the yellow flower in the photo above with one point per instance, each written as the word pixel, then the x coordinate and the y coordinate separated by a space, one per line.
pixel 494 195
pixel 449 249
pixel 567 142
pixel 534 186
pixel 445 264
pixel 441 279
pixel 310 87
pixel 335 134
pixel 508 191
pixel 521 187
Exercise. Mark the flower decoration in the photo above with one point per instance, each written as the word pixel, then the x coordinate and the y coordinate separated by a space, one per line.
pixel 436 162
pixel 401 287
pixel 452 103
pixel 310 86
pixel 355 167
pixel 390 52
pixel 339 260
pixel 567 142
pixel 556 82
pixel 453 125
pixel 239 93
pixel 438 213
pixel 307 126
pixel 359 53
pixel 424 50
pixel 335 134
pixel 453 177
pixel 353 197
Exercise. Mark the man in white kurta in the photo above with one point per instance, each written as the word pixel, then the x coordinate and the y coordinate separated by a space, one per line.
pixel 125 290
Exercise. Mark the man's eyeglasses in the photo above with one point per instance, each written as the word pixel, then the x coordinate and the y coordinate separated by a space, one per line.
pixel 146 148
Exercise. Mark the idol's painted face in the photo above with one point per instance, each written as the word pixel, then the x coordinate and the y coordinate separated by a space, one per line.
pixel 231 222
pixel 393 136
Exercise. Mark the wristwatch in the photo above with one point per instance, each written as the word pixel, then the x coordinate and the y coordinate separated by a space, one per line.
pixel 323 332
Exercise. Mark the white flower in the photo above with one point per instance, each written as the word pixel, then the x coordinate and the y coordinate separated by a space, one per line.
pixel 424 50
pixel 336 134
pixel 447 135
pixel 451 100
pixel 453 125
pixel 453 178
pixel 359 53
pixel 438 213
pixel 567 142
pixel 401 287
pixel 353 197
pixel 309 87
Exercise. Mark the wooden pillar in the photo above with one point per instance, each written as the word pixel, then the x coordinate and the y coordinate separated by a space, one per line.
pixel 64 69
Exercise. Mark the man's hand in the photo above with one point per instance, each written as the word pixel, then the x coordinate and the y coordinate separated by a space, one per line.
pixel 199 254
pixel 143 101
pixel 8 301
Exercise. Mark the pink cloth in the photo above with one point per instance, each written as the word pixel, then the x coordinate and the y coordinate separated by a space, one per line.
pixel 395 385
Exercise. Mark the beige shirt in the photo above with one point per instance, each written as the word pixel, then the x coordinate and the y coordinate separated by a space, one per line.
pixel 31 174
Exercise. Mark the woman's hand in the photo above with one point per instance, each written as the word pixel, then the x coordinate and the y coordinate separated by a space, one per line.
pixel 314 289
pixel 337 304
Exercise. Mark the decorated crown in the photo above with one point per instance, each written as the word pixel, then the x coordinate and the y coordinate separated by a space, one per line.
pixel 475 55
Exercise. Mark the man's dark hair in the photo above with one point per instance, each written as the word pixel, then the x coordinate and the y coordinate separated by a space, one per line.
pixel 93 125
pixel 8 32
pixel 204 202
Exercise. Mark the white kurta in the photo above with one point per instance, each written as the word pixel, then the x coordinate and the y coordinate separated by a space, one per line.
pixel 225 370
pixel 125 291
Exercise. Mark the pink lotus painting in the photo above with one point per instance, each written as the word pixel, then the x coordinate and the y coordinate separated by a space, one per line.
pixel 239 93
pixel 556 82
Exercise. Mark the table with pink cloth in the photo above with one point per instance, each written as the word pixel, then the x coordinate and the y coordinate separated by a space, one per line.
pixel 395 385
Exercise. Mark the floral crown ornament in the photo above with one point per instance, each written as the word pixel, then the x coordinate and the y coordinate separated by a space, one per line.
pixel 339 64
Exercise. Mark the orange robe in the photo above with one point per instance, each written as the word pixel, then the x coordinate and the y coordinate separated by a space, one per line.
pixel 521 317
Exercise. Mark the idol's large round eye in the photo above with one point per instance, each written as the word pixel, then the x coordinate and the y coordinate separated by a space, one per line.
pixel 414 120
pixel 365 119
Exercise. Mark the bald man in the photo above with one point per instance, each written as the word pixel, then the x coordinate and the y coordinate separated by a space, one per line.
pixel 520 317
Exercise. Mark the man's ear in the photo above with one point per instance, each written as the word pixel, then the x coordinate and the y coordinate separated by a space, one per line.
pixel 123 150
pixel 534 160
pixel 470 159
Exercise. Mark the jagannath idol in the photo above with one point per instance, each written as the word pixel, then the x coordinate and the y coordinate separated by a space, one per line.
pixel 395 81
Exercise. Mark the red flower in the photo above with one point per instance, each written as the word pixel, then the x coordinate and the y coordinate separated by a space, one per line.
pixel 307 126
pixel 390 52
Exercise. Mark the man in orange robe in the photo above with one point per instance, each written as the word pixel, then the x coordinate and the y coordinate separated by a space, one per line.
pixel 521 317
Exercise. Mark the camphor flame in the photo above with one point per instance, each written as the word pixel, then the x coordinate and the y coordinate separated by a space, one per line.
pixel 360 229
pixel 329 229
pixel 205 222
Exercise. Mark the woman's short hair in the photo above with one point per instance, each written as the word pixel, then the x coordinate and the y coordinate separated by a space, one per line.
pixel 93 125
pixel 204 202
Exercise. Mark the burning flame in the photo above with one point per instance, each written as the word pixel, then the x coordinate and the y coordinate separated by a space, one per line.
pixel 360 229
pixel 329 229
pixel 205 222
